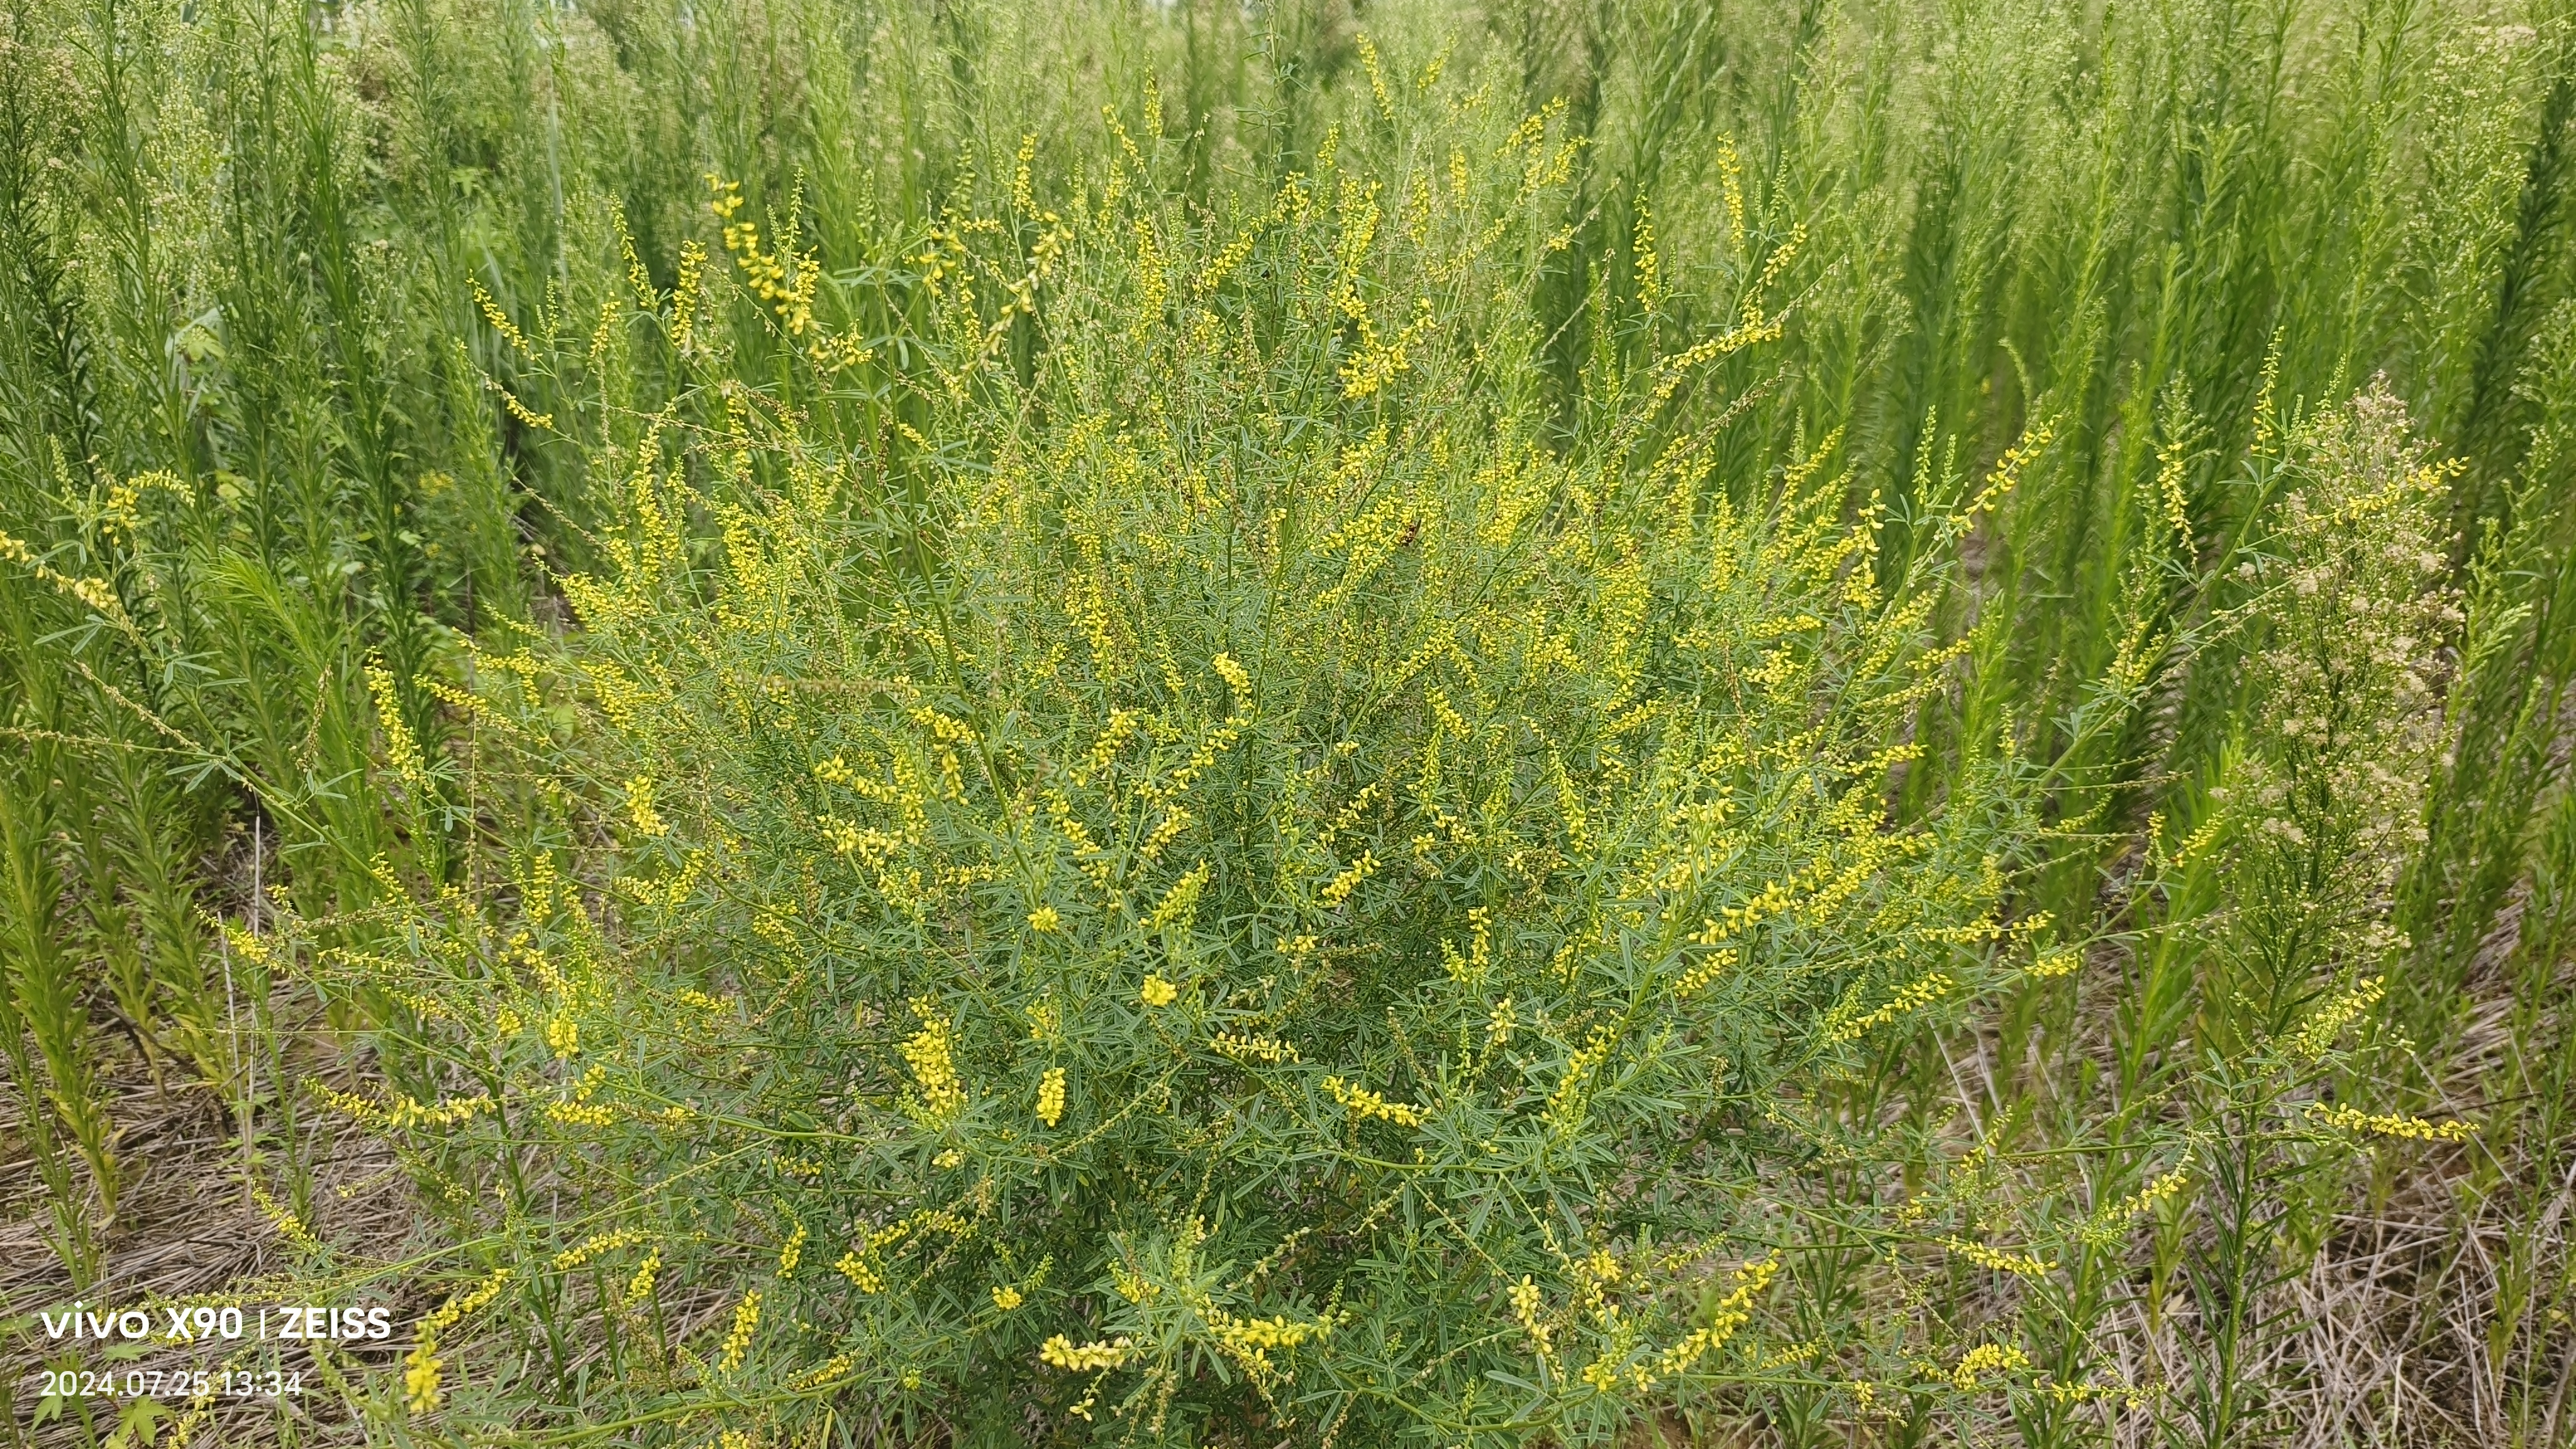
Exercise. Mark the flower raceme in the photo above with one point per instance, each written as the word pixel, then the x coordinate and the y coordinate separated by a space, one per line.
pixel 1072 1357
pixel 1393 816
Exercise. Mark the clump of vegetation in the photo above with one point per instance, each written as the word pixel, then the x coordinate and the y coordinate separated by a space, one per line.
pixel 1529 723
pixel 1246 899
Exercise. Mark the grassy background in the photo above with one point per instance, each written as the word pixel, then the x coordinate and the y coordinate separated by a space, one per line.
pixel 307 399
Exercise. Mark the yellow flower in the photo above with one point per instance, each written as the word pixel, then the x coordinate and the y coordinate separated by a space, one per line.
pixel 420 1378
pixel 1363 1104
pixel 2024 1264
pixel 1080 1358
pixel 862 1274
pixel 1045 921
pixel 1987 1358
pixel 1006 1298
pixel 927 1053
pixel 1051 1096
pixel 746 1319
pixel 639 807
pixel 1237 678
pixel 1339 888
pixel 589 1248
pixel 640 1287
pixel 1245 1047
pixel 2391 1124
pixel 1159 992
pixel 2056 963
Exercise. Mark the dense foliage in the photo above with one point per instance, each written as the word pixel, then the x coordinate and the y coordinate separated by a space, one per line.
pixel 1541 722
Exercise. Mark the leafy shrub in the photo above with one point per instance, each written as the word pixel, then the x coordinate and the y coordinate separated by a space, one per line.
pixel 1184 723
pixel 1223 881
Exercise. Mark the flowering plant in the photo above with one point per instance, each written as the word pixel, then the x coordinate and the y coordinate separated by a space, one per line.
pixel 1227 879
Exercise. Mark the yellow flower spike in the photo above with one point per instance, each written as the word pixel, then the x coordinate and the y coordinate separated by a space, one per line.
pixel 1045 921
pixel 400 747
pixel 2318 1034
pixel 583 1252
pixel 1236 677
pixel 640 1286
pixel 421 1371
pixel 861 1272
pixel 1158 992
pixel 1987 1358
pixel 1051 1096
pixel 1082 1358
pixel 928 1053
pixel 2390 1124
pixel 2021 1264
pixel 1007 1298
pixel 1247 1048
pixel 1339 888
pixel 639 807
pixel 1526 1298
pixel 2111 1223
pixel 2061 962
pixel 1363 1104
pixel 1021 195
pixel 746 1321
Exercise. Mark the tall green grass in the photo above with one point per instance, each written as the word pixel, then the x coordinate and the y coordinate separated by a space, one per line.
pixel 525 522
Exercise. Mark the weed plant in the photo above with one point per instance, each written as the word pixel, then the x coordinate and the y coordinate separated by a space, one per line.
pixel 1545 722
